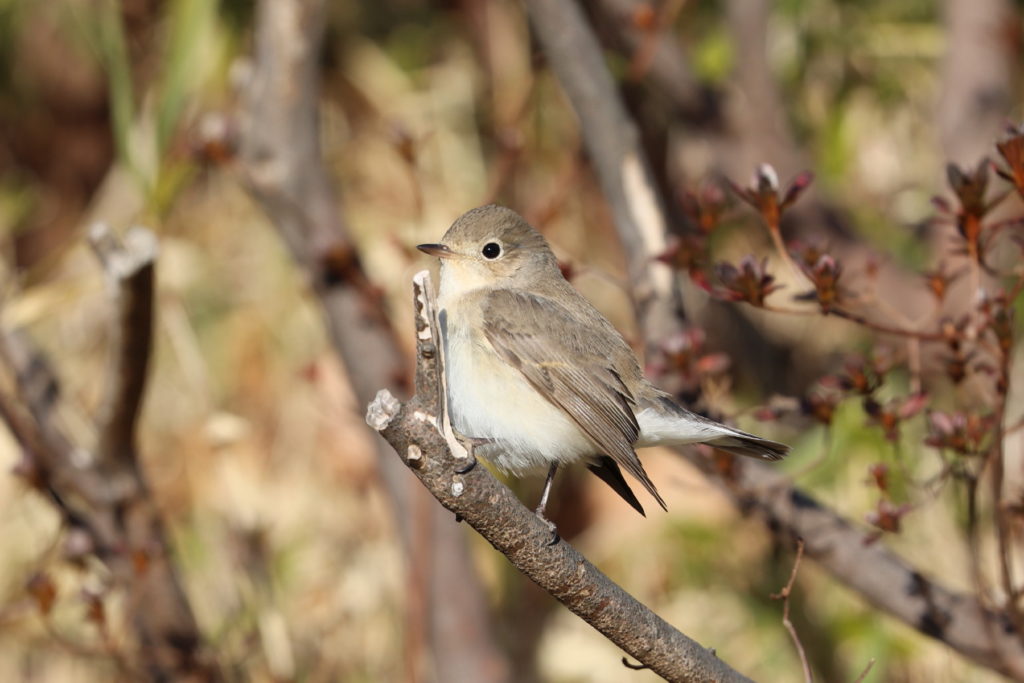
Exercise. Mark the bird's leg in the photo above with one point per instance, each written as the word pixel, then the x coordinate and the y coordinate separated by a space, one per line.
pixel 470 443
pixel 544 502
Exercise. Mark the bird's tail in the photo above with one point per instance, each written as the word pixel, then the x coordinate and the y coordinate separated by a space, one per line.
pixel 751 446
pixel 663 422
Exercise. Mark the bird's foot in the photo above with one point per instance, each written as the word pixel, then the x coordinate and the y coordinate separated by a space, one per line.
pixel 555 538
pixel 468 465
pixel 470 443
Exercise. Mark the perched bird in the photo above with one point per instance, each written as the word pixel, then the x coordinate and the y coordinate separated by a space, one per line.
pixel 537 377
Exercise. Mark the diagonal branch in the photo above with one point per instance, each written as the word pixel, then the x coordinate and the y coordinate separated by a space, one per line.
pixel 416 433
pixel 612 143
pixel 880 576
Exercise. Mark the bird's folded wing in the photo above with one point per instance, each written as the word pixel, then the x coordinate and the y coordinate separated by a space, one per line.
pixel 556 354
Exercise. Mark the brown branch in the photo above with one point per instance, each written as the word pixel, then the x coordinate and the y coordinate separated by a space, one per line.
pixel 107 497
pixel 129 268
pixel 417 431
pixel 883 328
pixel 878 575
pixel 282 168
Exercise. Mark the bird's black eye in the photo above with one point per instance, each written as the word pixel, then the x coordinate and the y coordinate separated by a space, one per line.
pixel 491 250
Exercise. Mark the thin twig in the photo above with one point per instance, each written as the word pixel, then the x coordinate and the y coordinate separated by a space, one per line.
pixel 784 596
pixel 775 234
pixel 886 329
pixel 865 672
pixel 858 319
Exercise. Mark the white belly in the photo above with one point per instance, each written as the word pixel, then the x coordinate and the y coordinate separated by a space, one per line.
pixel 490 399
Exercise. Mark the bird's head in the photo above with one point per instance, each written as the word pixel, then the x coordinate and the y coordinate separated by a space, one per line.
pixel 492 246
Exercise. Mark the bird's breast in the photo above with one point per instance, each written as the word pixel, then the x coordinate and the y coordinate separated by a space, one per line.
pixel 490 399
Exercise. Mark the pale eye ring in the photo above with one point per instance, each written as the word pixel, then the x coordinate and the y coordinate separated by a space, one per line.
pixel 491 250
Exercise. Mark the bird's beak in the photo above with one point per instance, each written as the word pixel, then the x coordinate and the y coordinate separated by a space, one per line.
pixel 438 250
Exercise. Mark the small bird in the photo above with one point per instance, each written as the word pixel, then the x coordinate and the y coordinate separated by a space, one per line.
pixel 538 378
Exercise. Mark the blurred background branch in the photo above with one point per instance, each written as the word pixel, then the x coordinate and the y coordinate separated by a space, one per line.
pixel 101 492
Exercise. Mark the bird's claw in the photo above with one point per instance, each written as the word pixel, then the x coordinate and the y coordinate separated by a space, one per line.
pixel 555 538
pixel 470 443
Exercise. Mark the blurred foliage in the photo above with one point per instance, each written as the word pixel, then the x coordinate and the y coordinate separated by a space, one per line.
pixel 253 444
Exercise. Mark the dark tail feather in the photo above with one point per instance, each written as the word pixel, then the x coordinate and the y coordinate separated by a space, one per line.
pixel 609 471
pixel 741 443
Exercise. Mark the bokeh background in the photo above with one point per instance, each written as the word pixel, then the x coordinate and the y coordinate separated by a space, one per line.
pixel 252 440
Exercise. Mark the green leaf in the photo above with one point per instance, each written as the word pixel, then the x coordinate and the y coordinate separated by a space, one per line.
pixel 188 26
pixel 114 55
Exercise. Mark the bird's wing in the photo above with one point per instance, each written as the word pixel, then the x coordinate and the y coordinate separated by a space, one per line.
pixel 609 472
pixel 554 350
